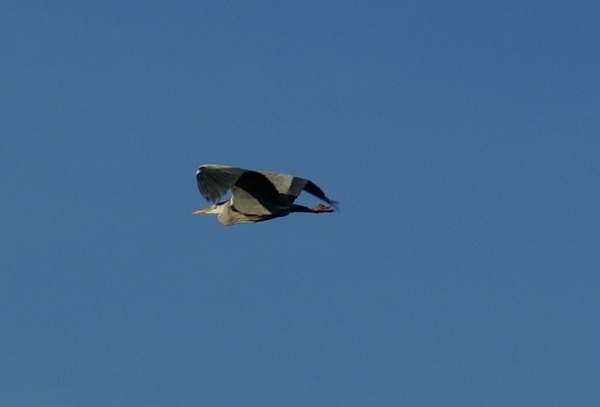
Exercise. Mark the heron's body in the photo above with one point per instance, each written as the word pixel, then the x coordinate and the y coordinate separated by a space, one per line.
pixel 255 196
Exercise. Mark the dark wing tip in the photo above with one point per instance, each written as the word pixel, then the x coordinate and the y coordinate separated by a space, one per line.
pixel 201 181
pixel 313 189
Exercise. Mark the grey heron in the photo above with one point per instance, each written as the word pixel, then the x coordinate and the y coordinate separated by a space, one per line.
pixel 255 196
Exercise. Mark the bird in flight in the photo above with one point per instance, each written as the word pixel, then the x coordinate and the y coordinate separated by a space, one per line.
pixel 255 196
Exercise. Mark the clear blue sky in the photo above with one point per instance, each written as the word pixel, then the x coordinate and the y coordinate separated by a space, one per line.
pixel 462 140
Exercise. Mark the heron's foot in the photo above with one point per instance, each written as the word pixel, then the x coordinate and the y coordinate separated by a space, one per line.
pixel 321 208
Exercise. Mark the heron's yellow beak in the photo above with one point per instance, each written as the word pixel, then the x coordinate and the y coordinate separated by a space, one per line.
pixel 210 209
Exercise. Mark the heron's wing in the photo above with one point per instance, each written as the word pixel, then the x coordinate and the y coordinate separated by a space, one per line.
pixel 289 187
pixel 215 180
pixel 253 193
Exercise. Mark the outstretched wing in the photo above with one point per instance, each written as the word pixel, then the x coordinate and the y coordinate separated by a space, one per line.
pixel 215 180
pixel 289 187
pixel 249 189
pixel 253 193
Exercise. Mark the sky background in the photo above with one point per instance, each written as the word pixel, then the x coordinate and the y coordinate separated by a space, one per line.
pixel 462 140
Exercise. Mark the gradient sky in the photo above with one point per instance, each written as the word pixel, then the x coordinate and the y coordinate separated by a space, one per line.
pixel 462 140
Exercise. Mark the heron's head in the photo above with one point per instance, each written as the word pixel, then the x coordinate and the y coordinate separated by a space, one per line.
pixel 216 208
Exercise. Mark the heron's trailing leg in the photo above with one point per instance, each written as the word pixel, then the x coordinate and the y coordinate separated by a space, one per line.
pixel 321 208
pixel 317 209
